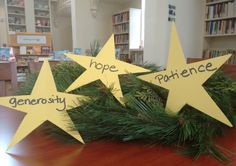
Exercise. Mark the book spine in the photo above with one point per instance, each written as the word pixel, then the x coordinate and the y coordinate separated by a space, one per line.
pixel 212 53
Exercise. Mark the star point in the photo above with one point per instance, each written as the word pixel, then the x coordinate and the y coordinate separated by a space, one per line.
pixel 104 67
pixel 44 103
pixel 184 81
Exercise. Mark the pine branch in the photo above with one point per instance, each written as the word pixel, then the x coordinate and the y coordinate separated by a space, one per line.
pixel 144 117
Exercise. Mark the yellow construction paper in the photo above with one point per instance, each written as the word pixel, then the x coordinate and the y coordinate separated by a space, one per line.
pixel 44 104
pixel 184 81
pixel 104 67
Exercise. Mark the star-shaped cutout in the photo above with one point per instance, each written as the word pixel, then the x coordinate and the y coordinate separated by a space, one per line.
pixel 184 81
pixel 44 104
pixel 104 67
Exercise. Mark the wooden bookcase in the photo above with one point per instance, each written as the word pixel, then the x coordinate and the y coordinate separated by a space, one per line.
pixel 42 16
pixel 28 16
pixel 24 59
pixel 126 28
pixel 220 29
pixel 16 15
pixel 220 18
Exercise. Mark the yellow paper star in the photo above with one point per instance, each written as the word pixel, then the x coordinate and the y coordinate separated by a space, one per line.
pixel 44 103
pixel 184 81
pixel 104 67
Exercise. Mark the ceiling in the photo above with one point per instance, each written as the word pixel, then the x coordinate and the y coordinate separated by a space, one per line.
pixel 64 8
pixel 117 1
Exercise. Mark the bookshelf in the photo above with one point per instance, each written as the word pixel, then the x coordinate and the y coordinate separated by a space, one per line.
pixel 136 56
pixel 212 53
pixel 16 15
pixel 126 29
pixel 32 50
pixel 28 16
pixel 220 29
pixel 220 18
pixel 42 16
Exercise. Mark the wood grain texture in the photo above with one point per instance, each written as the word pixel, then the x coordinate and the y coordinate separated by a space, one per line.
pixel 40 149
pixel 13 39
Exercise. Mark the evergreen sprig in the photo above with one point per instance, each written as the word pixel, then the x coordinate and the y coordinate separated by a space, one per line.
pixel 144 117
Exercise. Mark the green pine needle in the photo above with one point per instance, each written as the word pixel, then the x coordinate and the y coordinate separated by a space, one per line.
pixel 144 117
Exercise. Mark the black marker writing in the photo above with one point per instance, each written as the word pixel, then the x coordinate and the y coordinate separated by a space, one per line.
pixel 52 100
pixel 185 73
pixel 103 67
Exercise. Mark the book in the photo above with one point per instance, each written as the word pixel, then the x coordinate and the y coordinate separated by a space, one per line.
pixel 221 27
pixel 59 55
pixel 212 53
pixel 23 50
pixel 4 53
pixel 224 9
pixel 77 51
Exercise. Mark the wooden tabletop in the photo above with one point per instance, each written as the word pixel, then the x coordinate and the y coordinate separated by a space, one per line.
pixel 40 149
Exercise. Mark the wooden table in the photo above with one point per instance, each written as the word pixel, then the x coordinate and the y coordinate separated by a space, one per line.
pixel 39 149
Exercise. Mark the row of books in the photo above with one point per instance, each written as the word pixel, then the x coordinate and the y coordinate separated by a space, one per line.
pixel 212 53
pixel 121 28
pixel 219 10
pixel 121 39
pixel 19 11
pixel 124 49
pixel 17 29
pixel 16 20
pixel 16 3
pixel 123 17
pixel 221 27
pixel 42 29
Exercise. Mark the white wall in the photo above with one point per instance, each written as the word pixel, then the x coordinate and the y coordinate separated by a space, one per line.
pixel 87 28
pixel 62 34
pixel 61 28
pixel 189 21
pixel 3 25
pixel 29 19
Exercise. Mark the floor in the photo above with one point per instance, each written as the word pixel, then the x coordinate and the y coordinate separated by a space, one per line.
pixel 39 149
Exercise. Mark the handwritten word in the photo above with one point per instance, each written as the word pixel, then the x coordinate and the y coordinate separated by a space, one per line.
pixel 185 73
pixel 18 102
pixel 102 67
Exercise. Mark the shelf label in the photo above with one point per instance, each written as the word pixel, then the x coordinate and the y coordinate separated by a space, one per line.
pixel 30 39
